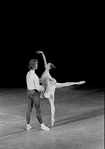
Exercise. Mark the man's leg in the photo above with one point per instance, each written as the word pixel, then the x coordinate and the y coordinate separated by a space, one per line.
pixel 38 110
pixel 29 110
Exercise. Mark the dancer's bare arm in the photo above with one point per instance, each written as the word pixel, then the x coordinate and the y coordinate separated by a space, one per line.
pixel 44 58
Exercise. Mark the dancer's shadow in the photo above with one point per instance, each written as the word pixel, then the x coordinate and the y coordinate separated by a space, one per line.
pixel 80 117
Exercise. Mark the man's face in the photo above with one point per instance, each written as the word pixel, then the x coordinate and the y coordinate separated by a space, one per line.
pixel 36 65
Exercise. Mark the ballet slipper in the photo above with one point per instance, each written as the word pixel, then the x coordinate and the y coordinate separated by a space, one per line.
pixel 44 127
pixel 52 122
pixel 28 127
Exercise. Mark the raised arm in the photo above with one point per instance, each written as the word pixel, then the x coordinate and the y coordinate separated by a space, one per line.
pixel 44 58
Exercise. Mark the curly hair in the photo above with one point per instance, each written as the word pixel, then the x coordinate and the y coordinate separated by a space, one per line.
pixel 32 63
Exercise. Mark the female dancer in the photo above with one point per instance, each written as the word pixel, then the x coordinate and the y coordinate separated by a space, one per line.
pixel 50 84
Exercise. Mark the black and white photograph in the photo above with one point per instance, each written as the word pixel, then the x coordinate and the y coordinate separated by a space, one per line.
pixel 52 76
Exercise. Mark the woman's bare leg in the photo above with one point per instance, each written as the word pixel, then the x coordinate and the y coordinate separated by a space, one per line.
pixel 51 100
pixel 59 85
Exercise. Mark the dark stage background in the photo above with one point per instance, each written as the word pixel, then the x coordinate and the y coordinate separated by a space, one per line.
pixel 72 39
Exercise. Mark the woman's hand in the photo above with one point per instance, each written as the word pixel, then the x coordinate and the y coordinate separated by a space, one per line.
pixel 39 52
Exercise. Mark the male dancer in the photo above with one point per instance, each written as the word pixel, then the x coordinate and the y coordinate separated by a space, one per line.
pixel 33 93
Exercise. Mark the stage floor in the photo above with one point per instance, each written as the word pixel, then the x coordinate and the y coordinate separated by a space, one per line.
pixel 79 120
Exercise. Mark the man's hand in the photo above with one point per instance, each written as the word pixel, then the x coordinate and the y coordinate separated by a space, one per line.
pixel 41 88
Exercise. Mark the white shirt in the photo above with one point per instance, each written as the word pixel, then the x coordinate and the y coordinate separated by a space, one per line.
pixel 32 81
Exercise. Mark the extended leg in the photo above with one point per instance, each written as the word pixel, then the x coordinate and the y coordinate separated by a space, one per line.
pixel 59 85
